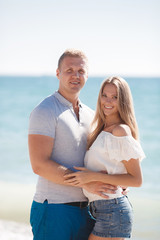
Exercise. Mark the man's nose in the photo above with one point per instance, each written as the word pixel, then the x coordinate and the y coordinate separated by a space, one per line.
pixel 76 74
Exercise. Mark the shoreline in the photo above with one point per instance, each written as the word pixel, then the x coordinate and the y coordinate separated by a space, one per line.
pixel 17 199
pixel 146 219
pixel 16 202
pixel 11 230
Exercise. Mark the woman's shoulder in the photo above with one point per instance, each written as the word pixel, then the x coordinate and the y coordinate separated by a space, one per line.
pixel 121 130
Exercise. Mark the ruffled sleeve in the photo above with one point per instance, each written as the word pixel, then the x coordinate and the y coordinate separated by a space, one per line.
pixel 123 148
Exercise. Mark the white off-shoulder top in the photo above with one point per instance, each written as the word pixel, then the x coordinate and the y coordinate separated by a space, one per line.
pixel 107 153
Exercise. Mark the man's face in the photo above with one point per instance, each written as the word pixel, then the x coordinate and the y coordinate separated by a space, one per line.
pixel 72 75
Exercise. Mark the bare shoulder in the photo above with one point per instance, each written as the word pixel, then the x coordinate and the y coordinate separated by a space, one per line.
pixel 121 130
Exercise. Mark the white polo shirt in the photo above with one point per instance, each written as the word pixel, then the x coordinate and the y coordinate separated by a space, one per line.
pixel 55 117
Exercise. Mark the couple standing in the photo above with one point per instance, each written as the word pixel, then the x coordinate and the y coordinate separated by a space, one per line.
pixel 59 133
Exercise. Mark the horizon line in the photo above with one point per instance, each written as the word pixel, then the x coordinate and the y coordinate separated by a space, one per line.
pixel 90 75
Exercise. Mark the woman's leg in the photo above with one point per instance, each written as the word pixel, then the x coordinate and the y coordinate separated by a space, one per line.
pixel 93 237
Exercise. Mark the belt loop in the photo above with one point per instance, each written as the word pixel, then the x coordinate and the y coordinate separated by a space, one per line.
pixel 116 201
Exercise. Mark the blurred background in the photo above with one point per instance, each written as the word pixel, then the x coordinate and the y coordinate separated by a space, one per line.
pixel 119 38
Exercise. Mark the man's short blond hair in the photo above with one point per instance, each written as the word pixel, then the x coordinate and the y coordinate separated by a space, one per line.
pixel 72 53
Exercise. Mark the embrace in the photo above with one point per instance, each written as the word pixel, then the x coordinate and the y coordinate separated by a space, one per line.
pixel 84 159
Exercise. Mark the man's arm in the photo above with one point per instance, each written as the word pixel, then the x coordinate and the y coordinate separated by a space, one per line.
pixel 100 188
pixel 40 150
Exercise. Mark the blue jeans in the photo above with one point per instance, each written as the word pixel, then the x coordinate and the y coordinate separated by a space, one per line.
pixel 60 222
pixel 113 217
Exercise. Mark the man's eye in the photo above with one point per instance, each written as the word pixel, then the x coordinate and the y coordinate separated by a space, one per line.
pixel 81 71
pixel 104 95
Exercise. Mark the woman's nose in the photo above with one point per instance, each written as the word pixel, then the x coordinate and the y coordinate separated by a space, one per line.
pixel 108 100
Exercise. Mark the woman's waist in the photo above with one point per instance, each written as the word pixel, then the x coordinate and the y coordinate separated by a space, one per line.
pixel 93 197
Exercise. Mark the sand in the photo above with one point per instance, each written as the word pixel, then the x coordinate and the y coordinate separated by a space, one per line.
pixel 15 205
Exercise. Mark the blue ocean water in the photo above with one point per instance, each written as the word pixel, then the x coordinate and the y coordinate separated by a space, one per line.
pixel 19 95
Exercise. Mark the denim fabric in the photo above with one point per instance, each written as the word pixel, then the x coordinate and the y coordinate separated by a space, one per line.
pixel 113 217
pixel 60 221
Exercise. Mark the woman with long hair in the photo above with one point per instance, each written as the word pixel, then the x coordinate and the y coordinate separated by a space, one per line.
pixel 113 156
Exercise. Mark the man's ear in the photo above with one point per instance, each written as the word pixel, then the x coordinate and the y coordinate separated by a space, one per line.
pixel 57 73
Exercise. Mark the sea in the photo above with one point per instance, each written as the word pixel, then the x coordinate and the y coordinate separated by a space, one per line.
pixel 18 96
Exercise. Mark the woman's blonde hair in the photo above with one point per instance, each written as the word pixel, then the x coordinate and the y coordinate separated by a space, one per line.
pixel 125 108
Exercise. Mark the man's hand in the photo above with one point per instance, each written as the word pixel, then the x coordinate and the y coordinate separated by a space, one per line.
pixel 125 190
pixel 100 188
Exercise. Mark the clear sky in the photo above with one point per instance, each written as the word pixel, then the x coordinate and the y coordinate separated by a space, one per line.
pixel 118 36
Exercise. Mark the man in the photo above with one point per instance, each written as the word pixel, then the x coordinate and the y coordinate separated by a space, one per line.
pixel 57 142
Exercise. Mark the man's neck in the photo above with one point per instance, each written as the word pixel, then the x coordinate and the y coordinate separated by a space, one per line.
pixel 72 98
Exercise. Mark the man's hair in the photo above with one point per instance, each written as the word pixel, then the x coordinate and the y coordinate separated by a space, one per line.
pixel 72 53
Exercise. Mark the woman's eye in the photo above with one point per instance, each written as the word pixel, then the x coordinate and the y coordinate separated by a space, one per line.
pixel 115 97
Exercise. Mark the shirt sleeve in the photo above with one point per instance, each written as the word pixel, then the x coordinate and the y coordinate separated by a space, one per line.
pixel 42 121
pixel 124 148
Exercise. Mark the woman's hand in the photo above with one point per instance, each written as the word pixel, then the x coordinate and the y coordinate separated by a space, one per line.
pixel 79 178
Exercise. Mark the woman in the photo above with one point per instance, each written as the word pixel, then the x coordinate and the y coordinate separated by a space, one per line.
pixel 112 147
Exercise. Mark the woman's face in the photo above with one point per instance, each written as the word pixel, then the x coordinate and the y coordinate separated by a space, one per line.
pixel 109 100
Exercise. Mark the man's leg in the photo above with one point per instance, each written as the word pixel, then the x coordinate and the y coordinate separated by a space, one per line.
pixel 86 225
pixel 60 221
pixel 37 220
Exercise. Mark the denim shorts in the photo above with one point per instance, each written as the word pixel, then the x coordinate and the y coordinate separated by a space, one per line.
pixel 60 221
pixel 114 217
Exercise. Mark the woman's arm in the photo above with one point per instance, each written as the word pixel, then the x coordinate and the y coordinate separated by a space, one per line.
pixel 133 177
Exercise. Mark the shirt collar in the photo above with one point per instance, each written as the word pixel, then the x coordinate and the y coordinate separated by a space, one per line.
pixel 64 101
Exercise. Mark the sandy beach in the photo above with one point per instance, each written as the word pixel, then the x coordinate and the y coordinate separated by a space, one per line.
pixel 146 219
pixel 10 230
pixel 15 209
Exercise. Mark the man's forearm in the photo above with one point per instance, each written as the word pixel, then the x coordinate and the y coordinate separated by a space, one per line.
pixel 52 171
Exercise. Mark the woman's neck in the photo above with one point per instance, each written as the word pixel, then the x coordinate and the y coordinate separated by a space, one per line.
pixel 112 121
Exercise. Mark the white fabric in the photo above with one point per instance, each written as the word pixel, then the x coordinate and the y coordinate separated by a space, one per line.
pixel 107 152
